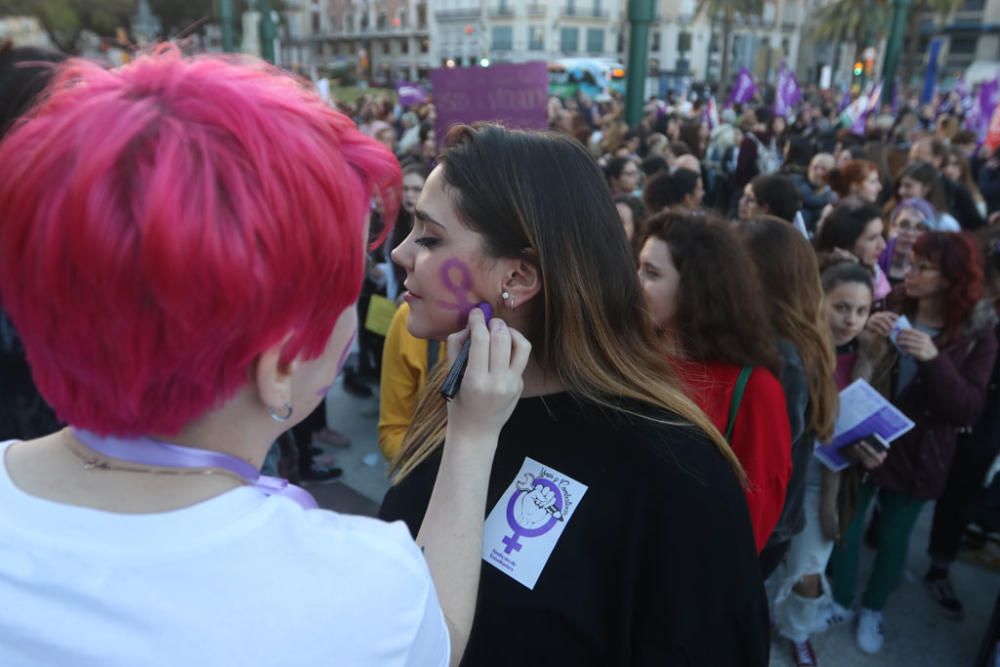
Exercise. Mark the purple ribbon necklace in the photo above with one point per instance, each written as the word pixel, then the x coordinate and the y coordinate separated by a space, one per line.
pixel 170 459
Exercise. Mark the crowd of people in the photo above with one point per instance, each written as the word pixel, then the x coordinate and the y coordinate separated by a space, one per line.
pixel 655 322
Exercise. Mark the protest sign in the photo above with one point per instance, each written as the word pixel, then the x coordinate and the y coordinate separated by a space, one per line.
pixel 514 95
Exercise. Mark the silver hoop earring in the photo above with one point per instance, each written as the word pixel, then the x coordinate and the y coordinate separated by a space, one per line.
pixel 282 418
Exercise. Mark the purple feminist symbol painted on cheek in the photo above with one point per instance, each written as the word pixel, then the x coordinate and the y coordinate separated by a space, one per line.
pixel 461 290
pixel 533 510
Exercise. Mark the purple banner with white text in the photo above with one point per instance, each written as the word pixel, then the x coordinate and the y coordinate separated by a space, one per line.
pixel 514 95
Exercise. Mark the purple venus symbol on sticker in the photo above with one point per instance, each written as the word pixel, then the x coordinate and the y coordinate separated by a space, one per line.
pixel 533 510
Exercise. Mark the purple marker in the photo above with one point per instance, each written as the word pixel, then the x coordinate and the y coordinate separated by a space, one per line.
pixel 453 382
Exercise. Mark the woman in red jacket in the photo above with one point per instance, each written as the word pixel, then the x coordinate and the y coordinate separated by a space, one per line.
pixel 937 373
pixel 703 294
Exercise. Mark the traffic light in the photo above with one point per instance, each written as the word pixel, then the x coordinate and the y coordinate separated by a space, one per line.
pixel 859 68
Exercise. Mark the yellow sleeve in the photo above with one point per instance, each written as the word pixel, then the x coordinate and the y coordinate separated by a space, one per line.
pixel 404 367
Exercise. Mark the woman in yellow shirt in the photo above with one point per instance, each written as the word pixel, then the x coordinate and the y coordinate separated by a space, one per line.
pixel 405 363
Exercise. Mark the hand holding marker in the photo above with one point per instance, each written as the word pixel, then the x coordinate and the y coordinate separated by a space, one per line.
pixel 453 381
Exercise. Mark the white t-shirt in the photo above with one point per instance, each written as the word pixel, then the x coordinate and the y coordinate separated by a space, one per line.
pixel 241 579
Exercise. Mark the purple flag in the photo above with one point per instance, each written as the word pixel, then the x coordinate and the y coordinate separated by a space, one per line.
pixel 410 93
pixel 845 101
pixel 989 95
pixel 744 88
pixel 865 107
pixel 787 94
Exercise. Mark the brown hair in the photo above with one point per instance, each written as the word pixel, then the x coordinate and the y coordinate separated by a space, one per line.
pixel 720 310
pixel 540 196
pixel 789 273
pixel 853 172
pixel 965 178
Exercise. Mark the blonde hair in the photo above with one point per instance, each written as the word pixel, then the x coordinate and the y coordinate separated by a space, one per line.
pixel 540 196
pixel 790 276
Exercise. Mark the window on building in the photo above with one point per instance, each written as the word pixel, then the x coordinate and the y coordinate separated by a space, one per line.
pixel 386 47
pixel 620 46
pixel 536 38
pixel 786 46
pixel 768 12
pixel 421 16
pixel 597 7
pixel 503 38
pixel 964 45
pixel 569 40
pixel 425 45
pixel 364 21
pixel 315 24
pixel 382 22
pixel 654 45
pixel 404 46
pixel 972 6
pixel 683 42
pixel 595 40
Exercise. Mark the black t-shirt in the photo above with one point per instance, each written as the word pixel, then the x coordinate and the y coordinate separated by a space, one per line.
pixel 656 564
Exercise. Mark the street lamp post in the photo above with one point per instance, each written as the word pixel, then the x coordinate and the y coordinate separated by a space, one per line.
pixel 894 47
pixel 268 31
pixel 226 16
pixel 640 15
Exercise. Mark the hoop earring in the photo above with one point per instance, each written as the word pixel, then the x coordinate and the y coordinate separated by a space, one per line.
pixel 505 295
pixel 285 417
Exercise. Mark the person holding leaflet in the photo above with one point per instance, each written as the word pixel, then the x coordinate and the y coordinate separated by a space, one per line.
pixel 616 532
pixel 936 372
pixel 803 605
pixel 168 334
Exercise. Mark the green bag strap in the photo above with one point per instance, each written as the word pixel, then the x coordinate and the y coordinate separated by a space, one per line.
pixel 734 405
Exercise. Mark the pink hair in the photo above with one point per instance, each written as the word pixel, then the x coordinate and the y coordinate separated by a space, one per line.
pixel 166 222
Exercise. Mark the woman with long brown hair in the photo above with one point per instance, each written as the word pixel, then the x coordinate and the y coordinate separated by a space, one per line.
pixel 616 528
pixel 789 276
pixel 703 295
pixel 936 372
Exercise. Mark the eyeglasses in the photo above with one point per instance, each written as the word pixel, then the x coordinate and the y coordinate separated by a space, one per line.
pixel 630 173
pixel 910 226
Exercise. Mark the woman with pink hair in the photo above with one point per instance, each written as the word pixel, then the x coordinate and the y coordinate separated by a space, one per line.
pixel 181 249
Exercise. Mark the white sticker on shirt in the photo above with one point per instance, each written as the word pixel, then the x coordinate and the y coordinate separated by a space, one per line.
pixel 528 520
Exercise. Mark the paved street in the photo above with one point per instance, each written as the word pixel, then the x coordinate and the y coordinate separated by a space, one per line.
pixel 916 634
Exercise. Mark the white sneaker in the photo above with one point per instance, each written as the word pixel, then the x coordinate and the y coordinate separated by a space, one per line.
pixel 870 637
pixel 835 615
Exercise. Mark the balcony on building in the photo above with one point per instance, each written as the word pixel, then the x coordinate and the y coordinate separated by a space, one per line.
pixel 589 10
pixel 502 10
pixel 536 9
pixel 457 14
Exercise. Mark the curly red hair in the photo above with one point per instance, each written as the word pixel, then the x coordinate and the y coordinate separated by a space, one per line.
pixel 959 260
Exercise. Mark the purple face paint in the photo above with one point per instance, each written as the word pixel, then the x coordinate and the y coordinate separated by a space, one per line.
pixel 461 290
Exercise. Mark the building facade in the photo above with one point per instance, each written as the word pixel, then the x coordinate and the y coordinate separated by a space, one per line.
pixel 403 39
